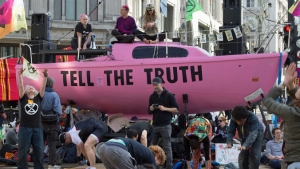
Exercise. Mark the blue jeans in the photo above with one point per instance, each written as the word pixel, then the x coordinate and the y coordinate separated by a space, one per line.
pixel 30 136
pixel 275 164
pixel 164 133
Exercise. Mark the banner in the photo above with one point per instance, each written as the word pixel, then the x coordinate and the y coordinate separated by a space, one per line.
pixel 191 7
pixel 246 28
pixel 202 38
pixel 220 36
pixel 211 38
pixel 295 8
pixel 6 12
pixel 229 35
pixel 237 32
pixel 30 71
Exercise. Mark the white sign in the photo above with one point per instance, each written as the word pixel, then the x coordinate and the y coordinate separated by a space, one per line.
pixel 219 36
pixel 237 32
pixel 211 38
pixel 203 38
pixel 229 35
pixel 227 155
pixel 254 95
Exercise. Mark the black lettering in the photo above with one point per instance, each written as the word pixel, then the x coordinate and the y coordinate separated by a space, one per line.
pixel 108 73
pixel 121 77
pixel 159 72
pixel 148 73
pixel 64 73
pixel 183 70
pixel 80 78
pixel 73 78
pixel 194 73
pixel 88 78
pixel 175 75
pixel 129 77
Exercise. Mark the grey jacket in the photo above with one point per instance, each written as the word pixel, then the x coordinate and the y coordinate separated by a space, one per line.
pixel 253 129
pixel 291 116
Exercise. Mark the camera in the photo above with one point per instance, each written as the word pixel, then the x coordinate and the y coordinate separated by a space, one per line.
pixel 155 105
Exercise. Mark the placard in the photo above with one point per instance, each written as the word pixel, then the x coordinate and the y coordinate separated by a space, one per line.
pixel 228 155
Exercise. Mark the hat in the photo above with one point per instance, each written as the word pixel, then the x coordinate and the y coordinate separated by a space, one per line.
pixel 62 138
pixel 156 80
pixel 150 6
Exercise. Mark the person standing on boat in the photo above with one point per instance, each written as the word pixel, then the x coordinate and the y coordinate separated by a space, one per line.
pixel 150 22
pixel 162 104
pixel 125 27
pixel 82 35
pixel 30 131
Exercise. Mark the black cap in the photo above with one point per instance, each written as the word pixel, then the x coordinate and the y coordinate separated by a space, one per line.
pixel 156 80
pixel 62 138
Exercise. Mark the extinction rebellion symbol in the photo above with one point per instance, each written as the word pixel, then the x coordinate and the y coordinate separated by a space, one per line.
pixel 190 6
pixel 31 69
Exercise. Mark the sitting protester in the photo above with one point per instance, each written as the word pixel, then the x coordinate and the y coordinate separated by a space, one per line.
pixel 12 135
pixel 141 132
pixel 221 132
pixel 85 134
pixel 198 131
pixel 150 22
pixel 274 149
pixel 125 153
pixel 125 27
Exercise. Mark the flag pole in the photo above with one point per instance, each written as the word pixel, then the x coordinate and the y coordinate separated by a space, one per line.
pixel 183 37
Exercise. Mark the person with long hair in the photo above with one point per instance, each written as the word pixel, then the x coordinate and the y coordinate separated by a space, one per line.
pixel 150 21
pixel 290 115
pixel 125 26
pixel 221 132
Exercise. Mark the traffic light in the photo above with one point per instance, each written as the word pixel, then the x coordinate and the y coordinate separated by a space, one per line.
pixel 289 44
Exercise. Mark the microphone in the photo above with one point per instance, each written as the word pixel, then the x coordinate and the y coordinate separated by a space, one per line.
pixel 58 41
pixel 95 8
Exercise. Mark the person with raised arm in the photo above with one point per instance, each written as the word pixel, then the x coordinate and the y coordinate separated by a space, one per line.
pixel 30 131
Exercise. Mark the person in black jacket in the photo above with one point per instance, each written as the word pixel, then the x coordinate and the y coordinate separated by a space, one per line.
pixel 162 104
pixel 85 134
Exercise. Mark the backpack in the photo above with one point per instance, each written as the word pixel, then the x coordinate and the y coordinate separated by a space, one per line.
pixel 61 153
pixel 71 155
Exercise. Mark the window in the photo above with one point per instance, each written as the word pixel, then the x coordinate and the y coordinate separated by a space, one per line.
pixel 57 9
pixel 74 8
pixel 94 14
pixel 143 52
pixel 9 51
pixel 250 3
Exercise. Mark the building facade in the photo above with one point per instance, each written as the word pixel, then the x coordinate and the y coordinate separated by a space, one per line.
pixel 265 14
pixel 65 15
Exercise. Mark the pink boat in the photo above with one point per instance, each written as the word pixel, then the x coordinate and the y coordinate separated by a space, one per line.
pixel 121 82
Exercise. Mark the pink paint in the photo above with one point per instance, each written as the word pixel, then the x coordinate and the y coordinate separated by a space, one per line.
pixel 226 80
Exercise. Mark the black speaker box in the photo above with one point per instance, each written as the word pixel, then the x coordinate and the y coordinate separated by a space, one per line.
pixel 236 46
pixel 40 27
pixel 36 46
pixel 232 12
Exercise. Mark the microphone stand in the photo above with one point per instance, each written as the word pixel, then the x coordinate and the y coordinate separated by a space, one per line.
pixel 95 8
pixel 58 41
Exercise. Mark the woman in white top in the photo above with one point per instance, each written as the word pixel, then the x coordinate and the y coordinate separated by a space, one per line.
pixel 150 21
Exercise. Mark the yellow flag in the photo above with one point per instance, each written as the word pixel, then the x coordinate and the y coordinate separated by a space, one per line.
pixel 19 18
pixel 30 71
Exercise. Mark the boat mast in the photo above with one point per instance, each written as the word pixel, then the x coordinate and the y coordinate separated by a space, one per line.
pixel 183 36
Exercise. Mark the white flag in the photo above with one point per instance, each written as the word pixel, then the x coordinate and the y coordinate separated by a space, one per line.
pixel 203 38
pixel 220 36
pixel 211 38
pixel 252 24
pixel 246 28
pixel 229 35
pixel 30 71
pixel 237 32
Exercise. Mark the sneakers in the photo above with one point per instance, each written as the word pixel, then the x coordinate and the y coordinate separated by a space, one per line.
pixel 54 167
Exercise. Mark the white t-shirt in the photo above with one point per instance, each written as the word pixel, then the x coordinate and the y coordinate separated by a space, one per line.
pixel 74 136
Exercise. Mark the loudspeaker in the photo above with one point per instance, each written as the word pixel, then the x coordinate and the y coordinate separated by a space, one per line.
pixel 232 12
pixel 236 46
pixel 40 27
pixel 36 46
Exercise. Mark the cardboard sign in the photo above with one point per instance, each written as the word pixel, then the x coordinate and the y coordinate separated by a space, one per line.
pixel 228 155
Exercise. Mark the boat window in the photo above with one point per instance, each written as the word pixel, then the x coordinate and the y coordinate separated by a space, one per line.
pixel 142 52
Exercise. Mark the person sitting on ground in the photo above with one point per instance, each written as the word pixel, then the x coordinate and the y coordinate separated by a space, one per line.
pixel 274 149
pixel 12 135
pixel 140 131
pixel 125 27
pixel 198 131
pixel 150 22
pixel 85 134
pixel 125 153
pixel 221 132
pixel 82 34
pixel 290 114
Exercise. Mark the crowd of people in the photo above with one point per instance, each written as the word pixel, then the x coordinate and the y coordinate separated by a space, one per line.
pixel 124 31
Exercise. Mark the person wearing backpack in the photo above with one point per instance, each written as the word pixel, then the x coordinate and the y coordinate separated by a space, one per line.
pixel 198 131
pixel 51 110
pixel 85 134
